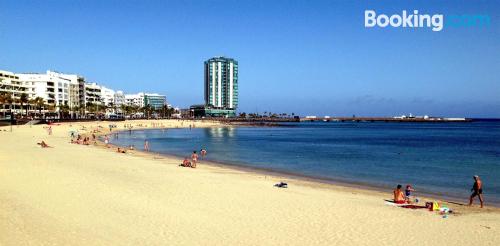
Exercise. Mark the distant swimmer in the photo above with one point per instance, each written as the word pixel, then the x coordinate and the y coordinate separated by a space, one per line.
pixel 146 145
pixel 477 190
pixel 203 153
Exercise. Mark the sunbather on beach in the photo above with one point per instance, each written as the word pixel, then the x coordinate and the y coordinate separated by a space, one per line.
pixel 43 144
pixel 186 162
pixel 399 197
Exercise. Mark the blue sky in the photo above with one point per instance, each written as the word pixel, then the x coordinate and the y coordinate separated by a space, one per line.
pixel 306 57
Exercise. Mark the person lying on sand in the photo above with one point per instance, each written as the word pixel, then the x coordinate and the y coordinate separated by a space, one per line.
pixel 120 150
pixel 399 197
pixel 186 163
pixel 43 144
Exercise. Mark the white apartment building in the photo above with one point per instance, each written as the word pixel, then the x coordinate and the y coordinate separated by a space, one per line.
pixel 92 93
pixel 55 88
pixel 10 83
pixel 107 96
pixel 58 89
pixel 135 99
pixel 119 98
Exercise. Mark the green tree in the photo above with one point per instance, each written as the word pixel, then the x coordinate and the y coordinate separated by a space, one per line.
pixel 9 100
pixel 2 102
pixel 64 110
pixel 23 99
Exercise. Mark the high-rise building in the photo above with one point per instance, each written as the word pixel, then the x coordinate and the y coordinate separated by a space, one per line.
pixel 221 83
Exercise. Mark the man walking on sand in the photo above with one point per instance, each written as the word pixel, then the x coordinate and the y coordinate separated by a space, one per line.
pixel 146 145
pixel 477 190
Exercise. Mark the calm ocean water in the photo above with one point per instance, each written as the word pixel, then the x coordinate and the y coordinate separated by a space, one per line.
pixel 436 158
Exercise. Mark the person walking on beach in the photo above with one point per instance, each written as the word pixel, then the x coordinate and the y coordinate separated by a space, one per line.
pixel 146 145
pixel 194 159
pixel 477 190
pixel 50 130
pixel 203 153
pixel 106 141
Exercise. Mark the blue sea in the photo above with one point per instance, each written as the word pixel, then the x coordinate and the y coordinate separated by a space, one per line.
pixel 435 158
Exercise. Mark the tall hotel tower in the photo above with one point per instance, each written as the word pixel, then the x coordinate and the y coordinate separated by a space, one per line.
pixel 221 83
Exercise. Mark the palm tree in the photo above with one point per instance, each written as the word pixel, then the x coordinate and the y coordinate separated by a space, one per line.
pixel 24 99
pixel 64 109
pixel 89 107
pixel 75 109
pixel 123 108
pixel 9 100
pixel 147 110
pixel 2 102
pixel 39 103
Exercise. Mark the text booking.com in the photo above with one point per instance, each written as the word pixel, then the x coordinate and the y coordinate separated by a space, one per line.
pixel 414 19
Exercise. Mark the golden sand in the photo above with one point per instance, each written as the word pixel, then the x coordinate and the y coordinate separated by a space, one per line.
pixel 90 195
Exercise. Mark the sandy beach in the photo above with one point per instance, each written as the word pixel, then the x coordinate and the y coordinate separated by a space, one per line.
pixel 91 195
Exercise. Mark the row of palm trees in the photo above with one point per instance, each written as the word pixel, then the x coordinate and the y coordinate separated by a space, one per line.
pixel 8 101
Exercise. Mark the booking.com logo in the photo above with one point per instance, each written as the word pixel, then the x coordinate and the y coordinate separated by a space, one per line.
pixel 436 22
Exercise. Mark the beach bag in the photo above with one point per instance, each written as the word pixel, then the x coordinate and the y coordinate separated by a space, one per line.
pixel 435 206
pixel 432 206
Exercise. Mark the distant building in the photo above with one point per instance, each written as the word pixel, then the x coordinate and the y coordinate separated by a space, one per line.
pixel 10 84
pixel 156 101
pixel 55 88
pixel 221 89
pixel 92 93
pixel 119 98
pixel 136 100
pixel 107 97
pixel 221 83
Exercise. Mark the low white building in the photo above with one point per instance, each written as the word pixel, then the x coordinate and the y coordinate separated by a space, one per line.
pixel 135 99
pixel 119 98
pixel 107 97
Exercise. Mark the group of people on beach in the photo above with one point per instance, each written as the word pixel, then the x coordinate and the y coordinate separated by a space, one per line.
pixel 402 198
pixel 82 140
pixel 194 159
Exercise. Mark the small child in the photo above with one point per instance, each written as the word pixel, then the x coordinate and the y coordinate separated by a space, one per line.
pixel 408 191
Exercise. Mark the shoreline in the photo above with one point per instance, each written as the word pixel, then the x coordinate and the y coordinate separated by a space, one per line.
pixel 72 194
pixel 310 180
